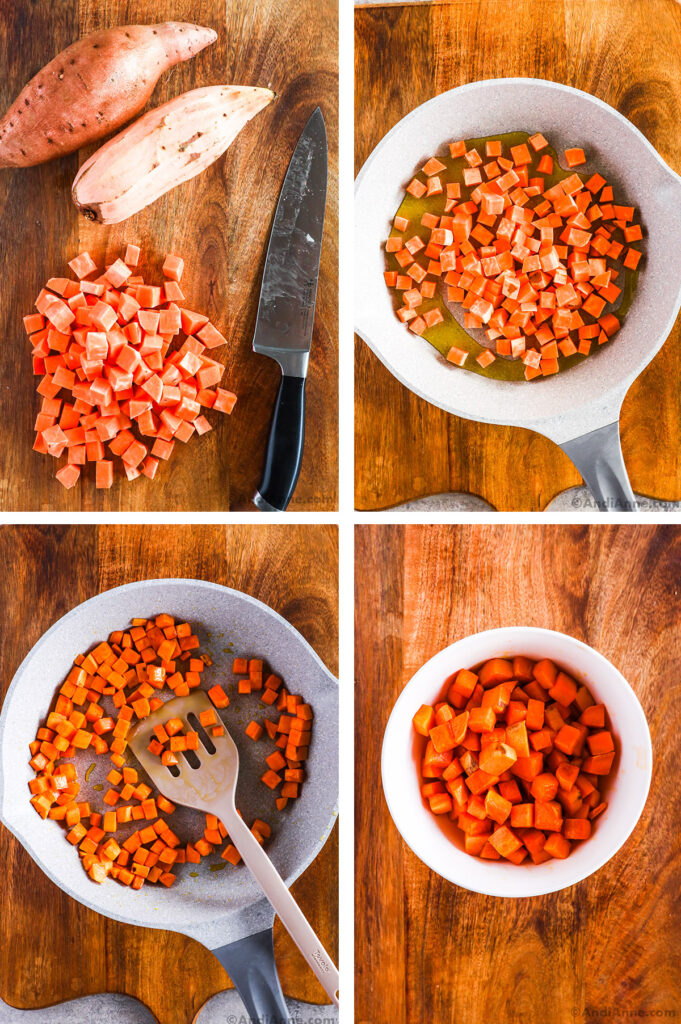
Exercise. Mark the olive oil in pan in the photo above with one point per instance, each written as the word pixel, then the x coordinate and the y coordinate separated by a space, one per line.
pixel 449 331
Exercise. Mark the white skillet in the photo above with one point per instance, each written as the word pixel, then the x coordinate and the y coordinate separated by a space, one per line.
pixel 224 910
pixel 580 408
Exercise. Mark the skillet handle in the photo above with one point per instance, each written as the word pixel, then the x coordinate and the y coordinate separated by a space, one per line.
pixel 251 966
pixel 598 457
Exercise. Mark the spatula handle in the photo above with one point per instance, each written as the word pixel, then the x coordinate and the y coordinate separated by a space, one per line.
pixel 288 911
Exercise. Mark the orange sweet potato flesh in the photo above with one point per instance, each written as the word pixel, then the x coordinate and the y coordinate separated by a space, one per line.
pixel 525 764
pixel 162 149
pixel 93 87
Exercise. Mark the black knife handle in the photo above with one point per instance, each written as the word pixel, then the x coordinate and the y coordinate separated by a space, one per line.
pixel 284 447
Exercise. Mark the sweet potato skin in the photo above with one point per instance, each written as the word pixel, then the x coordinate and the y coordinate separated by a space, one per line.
pixel 165 147
pixel 92 88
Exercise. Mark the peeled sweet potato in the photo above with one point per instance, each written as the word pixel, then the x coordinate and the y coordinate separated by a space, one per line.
pixel 165 147
pixel 93 87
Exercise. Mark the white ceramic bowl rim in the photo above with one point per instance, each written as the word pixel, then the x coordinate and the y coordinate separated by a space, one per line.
pixel 627 791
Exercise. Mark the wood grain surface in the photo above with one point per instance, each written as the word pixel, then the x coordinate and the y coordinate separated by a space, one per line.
pixel 53 948
pixel 605 948
pixel 219 222
pixel 626 52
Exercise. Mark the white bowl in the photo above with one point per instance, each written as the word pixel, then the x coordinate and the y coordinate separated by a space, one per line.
pixel 438 842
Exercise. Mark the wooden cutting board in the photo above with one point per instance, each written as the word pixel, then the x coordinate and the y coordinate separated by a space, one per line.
pixel 626 53
pixel 427 950
pixel 54 949
pixel 219 222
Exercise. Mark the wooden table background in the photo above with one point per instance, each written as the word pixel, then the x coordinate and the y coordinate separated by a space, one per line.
pixel 626 52
pixel 429 951
pixel 219 223
pixel 54 949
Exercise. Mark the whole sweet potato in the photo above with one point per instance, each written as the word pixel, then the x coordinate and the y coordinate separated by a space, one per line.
pixel 93 87
pixel 166 146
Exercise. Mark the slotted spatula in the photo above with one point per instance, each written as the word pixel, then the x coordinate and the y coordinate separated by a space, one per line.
pixel 206 780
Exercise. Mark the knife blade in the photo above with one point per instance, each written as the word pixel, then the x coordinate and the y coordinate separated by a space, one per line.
pixel 285 319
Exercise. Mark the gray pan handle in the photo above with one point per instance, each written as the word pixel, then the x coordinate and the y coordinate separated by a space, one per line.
pixel 598 457
pixel 251 965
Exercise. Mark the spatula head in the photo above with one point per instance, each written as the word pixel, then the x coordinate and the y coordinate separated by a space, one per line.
pixel 202 778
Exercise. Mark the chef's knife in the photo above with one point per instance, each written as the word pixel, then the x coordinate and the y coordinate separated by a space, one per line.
pixel 283 328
